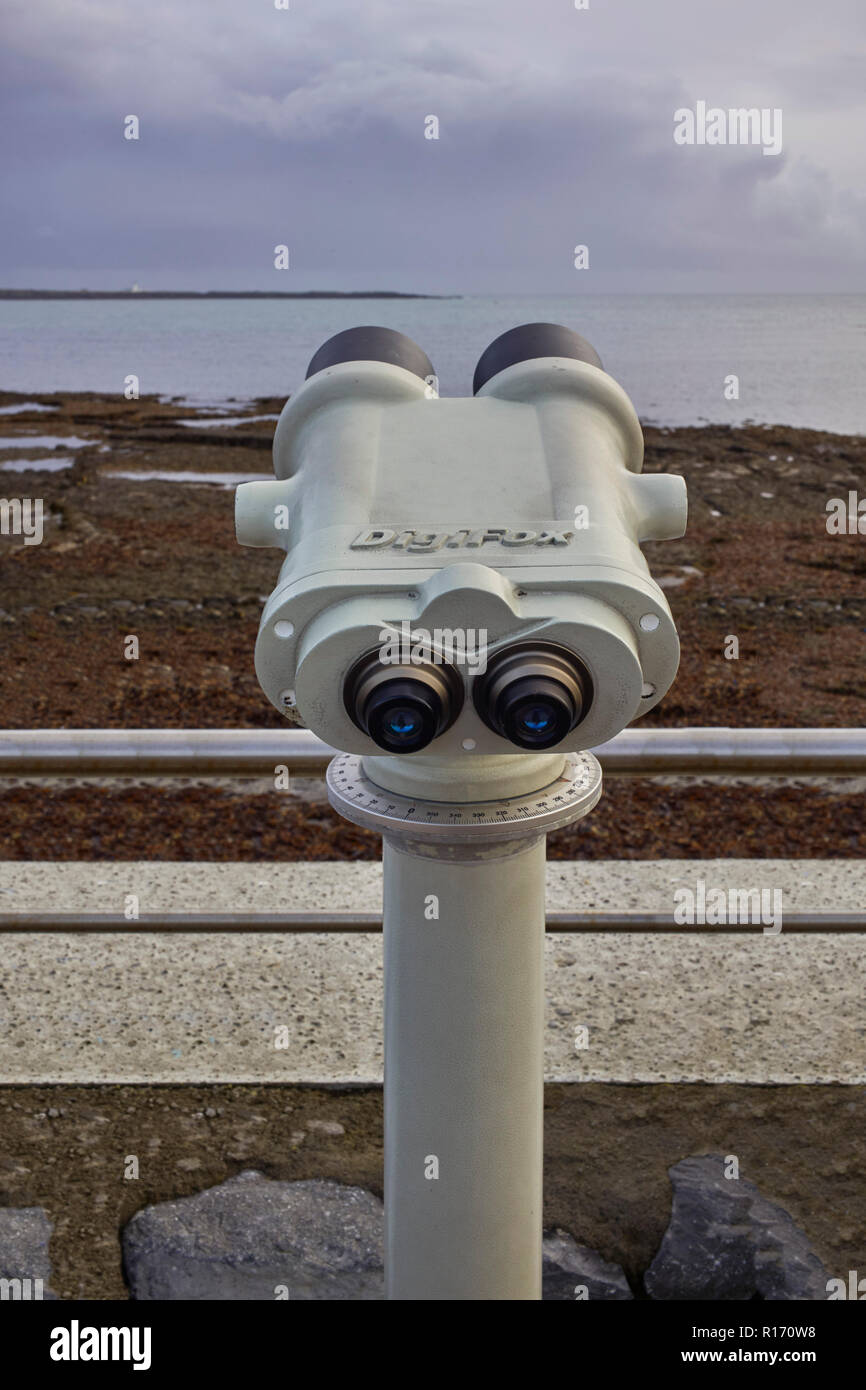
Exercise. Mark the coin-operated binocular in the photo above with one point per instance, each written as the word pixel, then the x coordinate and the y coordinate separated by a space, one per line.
pixel 462 575
pixel 464 609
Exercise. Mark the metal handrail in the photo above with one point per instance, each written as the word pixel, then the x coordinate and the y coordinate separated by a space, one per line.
pixel 353 922
pixel 93 753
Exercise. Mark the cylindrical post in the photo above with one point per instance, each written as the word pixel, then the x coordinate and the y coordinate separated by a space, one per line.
pixel 464 1008
pixel 464 1032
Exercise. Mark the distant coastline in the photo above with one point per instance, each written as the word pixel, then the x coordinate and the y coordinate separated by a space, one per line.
pixel 219 294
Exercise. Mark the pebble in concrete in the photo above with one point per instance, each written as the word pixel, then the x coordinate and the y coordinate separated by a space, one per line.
pixel 726 1241
pixel 25 1267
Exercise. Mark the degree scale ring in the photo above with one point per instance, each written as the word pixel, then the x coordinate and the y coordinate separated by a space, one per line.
pixel 572 795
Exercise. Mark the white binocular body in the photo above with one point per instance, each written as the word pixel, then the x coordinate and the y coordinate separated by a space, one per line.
pixel 462 575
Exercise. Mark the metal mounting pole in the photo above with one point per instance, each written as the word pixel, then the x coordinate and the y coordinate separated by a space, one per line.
pixel 464 1010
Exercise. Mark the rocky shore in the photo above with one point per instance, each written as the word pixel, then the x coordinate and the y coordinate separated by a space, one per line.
pixel 125 553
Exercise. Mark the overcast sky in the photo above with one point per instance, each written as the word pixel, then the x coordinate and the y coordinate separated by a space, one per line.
pixel 307 127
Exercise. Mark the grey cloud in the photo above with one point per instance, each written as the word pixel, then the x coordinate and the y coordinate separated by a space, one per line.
pixel 556 128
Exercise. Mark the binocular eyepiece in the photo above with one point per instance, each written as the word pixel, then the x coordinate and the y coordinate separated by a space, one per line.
pixel 402 708
pixel 532 694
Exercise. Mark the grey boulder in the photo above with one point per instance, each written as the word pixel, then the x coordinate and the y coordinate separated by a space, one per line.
pixel 254 1238
pixel 726 1241
pixel 25 1267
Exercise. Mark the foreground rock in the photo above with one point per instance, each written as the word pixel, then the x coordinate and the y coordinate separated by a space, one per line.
pixel 253 1238
pixel 574 1272
pixel 726 1241
pixel 25 1266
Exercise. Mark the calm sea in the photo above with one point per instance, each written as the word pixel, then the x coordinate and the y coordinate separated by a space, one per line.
pixel 799 358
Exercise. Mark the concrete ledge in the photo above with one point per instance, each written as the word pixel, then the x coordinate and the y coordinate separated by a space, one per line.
pixel 140 1008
